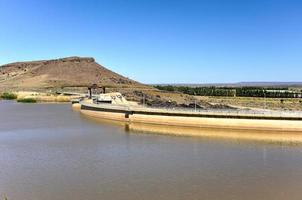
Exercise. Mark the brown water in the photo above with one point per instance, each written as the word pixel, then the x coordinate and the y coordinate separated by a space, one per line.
pixel 49 152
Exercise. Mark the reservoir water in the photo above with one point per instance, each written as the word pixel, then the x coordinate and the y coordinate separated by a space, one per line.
pixel 50 152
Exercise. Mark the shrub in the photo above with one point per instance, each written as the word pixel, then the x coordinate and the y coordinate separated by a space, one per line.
pixel 27 100
pixel 8 96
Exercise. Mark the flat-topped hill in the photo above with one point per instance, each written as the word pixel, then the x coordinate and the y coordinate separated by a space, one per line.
pixel 75 74
pixel 59 73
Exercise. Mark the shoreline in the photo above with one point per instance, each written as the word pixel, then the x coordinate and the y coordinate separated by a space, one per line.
pixel 38 97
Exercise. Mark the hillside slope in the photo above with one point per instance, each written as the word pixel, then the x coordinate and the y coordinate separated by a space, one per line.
pixel 59 73
pixel 74 74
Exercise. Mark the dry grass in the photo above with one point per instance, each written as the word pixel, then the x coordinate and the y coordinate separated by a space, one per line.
pixel 255 102
pixel 43 97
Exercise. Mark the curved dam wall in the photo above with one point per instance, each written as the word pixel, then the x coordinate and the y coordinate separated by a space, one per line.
pixel 188 119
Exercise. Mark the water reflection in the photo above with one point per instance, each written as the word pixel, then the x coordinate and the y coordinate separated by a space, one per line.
pixel 49 152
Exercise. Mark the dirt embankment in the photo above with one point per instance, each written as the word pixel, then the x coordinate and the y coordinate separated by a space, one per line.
pixel 293 104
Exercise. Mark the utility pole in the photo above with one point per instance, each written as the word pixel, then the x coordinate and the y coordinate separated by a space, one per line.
pixel 195 101
pixel 264 94
pixel 265 99
pixel 89 92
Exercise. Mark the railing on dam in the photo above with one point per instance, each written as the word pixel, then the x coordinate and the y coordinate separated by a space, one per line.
pixel 253 112
pixel 198 111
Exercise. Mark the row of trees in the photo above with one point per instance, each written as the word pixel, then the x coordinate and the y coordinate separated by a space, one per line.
pixel 267 92
pixel 227 91
pixel 206 91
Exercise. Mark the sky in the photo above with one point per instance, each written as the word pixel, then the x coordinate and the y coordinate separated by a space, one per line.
pixel 161 41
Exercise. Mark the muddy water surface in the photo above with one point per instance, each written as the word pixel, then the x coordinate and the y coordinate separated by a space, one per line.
pixel 49 152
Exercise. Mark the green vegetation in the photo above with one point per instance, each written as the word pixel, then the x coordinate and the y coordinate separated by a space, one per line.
pixel 267 92
pixel 8 96
pixel 233 92
pixel 200 91
pixel 27 100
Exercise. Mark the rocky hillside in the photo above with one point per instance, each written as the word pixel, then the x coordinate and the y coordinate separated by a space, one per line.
pixel 60 73
pixel 74 74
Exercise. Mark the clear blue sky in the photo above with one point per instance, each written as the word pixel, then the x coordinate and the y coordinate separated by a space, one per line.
pixel 161 41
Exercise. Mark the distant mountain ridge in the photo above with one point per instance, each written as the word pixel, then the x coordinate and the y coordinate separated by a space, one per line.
pixel 58 73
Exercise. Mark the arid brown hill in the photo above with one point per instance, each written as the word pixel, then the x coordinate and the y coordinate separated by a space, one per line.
pixel 76 73
pixel 59 73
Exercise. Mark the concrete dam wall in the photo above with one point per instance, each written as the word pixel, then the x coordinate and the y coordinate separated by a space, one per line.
pixel 190 119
